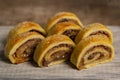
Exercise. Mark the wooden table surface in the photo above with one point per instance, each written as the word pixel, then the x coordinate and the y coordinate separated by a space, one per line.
pixel 29 70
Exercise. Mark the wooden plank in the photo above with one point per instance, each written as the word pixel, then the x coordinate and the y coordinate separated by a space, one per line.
pixel 29 70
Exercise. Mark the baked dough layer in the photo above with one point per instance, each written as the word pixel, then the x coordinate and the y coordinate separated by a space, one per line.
pixel 69 29
pixel 94 29
pixel 24 27
pixel 19 40
pixel 91 51
pixel 53 50
pixel 63 17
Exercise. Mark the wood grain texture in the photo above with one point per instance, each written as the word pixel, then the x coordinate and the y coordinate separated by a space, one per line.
pixel 29 70
pixel 89 11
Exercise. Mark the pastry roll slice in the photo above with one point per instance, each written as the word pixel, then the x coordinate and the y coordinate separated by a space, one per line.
pixel 66 28
pixel 20 48
pixel 94 29
pixel 63 17
pixel 53 50
pixel 26 26
pixel 91 51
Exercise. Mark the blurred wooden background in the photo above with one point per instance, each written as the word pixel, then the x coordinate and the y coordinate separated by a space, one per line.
pixel 89 11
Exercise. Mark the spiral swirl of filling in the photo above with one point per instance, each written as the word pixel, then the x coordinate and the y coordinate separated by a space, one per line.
pixel 91 51
pixel 54 49
pixel 59 52
pixel 94 29
pixel 26 50
pixel 21 47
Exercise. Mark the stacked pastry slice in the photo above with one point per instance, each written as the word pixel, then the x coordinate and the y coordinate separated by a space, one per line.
pixel 65 23
pixel 53 50
pixel 94 46
pixel 94 29
pixel 26 26
pixel 22 41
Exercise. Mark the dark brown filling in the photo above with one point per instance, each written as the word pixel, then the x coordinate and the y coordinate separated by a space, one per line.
pixel 25 51
pixel 100 32
pixel 93 55
pixel 67 20
pixel 71 33
pixel 37 32
pixel 59 55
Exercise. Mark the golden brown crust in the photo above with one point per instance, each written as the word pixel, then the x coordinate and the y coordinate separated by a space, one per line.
pixel 91 51
pixel 16 41
pixel 61 28
pixel 47 44
pixel 94 29
pixel 26 26
pixel 63 15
